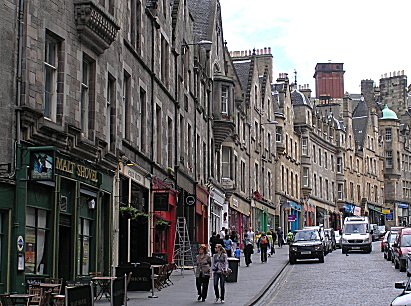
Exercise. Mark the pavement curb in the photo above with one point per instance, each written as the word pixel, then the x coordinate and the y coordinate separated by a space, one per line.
pixel 259 295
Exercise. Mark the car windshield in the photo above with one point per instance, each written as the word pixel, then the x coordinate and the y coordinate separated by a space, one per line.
pixel 360 228
pixel 306 235
pixel 406 241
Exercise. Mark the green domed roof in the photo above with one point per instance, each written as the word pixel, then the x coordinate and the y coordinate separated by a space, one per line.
pixel 388 114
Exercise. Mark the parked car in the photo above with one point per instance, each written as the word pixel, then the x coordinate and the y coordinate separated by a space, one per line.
pixel 392 234
pixel 382 230
pixel 405 297
pixel 401 247
pixel 383 241
pixel 337 239
pixel 331 235
pixel 307 244
pixel 408 264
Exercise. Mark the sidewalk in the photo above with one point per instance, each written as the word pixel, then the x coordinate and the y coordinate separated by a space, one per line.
pixel 252 282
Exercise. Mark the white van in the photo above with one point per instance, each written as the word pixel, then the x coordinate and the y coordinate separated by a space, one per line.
pixel 356 234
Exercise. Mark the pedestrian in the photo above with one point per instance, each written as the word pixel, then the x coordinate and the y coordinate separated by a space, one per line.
pixel 220 266
pixel 248 249
pixel 234 239
pixel 290 237
pixel 214 239
pixel 257 239
pixel 203 272
pixel 264 245
pixel 274 235
pixel 280 237
pixel 270 241
pixel 222 232
pixel 250 235
pixel 228 245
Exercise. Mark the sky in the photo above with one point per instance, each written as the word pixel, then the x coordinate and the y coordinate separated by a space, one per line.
pixel 370 37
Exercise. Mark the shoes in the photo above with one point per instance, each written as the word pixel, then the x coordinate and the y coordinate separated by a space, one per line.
pixel 199 298
pixel 222 301
pixel 203 300
pixel 248 265
pixel 216 300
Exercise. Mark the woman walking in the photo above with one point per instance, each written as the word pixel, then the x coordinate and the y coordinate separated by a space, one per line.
pixel 202 272
pixel 220 265
pixel 248 249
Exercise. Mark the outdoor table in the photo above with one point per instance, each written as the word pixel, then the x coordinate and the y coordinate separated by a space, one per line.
pixel 104 283
pixel 21 298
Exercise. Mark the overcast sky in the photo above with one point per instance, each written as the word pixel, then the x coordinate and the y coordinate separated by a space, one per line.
pixel 368 36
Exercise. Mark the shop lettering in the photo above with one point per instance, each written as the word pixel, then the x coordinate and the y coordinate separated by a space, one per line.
pixel 79 170
pixel 64 165
pixel 87 173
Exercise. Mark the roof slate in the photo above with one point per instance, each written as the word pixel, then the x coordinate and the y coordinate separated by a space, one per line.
pixel 243 69
pixel 201 11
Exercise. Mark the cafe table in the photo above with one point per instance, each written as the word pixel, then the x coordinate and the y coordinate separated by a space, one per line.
pixel 103 284
pixel 20 298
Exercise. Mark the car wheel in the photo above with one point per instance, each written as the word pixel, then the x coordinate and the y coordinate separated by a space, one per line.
pixel 292 260
pixel 408 274
pixel 343 251
pixel 385 256
pixel 321 258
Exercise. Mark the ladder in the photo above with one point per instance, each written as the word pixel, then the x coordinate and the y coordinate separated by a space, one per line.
pixel 183 255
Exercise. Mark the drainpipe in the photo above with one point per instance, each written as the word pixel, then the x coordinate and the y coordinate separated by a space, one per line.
pixel 19 63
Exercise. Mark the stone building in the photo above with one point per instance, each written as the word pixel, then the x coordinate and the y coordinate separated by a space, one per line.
pixel 252 202
pixel 108 107
pixel 288 185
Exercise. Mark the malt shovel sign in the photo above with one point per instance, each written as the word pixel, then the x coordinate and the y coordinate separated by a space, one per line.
pixel 190 200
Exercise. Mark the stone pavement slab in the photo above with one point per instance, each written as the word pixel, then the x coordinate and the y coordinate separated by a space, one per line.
pixel 252 281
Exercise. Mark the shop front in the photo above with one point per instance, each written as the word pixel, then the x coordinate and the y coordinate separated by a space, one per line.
pixel 239 221
pixel 134 236
pixel 264 217
pixel 201 215
pixel 164 210
pixel 402 213
pixel 65 205
pixel 309 214
pixel 294 218
pixel 375 214
pixel 216 209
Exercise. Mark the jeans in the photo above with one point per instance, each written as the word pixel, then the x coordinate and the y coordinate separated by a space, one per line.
pixel 264 252
pixel 217 277
pixel 202 286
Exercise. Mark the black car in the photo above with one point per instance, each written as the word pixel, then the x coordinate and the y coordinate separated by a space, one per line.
pixel 307 244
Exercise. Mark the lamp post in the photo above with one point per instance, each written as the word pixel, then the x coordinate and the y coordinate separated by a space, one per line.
pixel 205 43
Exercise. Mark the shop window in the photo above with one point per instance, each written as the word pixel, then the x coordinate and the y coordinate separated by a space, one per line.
pixel 36 241
pixel 83 247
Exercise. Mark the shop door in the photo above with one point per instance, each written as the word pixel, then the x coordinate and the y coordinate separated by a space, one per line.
pixel 65 258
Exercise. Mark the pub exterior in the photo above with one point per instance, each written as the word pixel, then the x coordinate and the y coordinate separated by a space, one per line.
pixel 62 217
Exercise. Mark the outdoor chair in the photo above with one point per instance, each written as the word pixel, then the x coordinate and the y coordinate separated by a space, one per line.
pixel 5 300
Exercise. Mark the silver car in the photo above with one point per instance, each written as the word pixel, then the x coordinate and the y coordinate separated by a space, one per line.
pixel 337 239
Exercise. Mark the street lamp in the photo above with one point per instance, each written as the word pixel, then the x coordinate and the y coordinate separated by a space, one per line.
pixel 205 43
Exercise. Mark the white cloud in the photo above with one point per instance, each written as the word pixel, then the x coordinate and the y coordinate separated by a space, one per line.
pixel 369 37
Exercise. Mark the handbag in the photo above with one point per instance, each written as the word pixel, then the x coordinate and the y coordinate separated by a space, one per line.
pixel 227 272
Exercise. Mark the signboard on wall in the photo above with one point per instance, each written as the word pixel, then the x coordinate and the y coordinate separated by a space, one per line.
pixel 160 201
pixel 42 165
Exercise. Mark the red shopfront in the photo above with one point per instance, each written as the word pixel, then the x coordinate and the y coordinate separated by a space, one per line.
pixel 164 221
pixel 202 215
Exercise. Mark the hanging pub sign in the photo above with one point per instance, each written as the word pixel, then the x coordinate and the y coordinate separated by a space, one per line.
pixel 42 165
pixel 161 201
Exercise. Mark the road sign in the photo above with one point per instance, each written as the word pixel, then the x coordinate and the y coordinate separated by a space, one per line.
pixel 20 243
pixel 190 200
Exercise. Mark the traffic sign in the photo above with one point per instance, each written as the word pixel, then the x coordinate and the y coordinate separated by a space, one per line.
pixel 190 200
pixel 20 243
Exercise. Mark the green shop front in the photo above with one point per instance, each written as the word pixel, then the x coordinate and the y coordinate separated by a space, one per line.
pixel 62 217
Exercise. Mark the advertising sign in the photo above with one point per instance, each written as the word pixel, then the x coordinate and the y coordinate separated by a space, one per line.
pixel 291 218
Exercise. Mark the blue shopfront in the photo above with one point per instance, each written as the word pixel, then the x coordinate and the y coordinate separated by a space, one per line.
pixel 295 215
